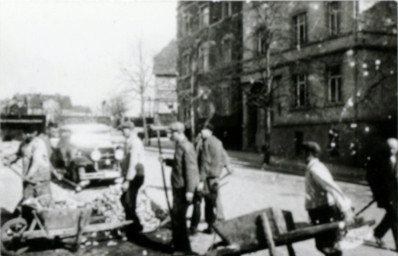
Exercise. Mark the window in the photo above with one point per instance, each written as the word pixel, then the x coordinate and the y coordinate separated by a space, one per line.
pixel 261 44
pixel 276 87
pixel 226 9
pixel 334 18
pixel 224 102
pixel 334 84
pixel 203 58
pixel 300 28
pixel 204 17
pixel 188 24
pixel 185 64
pixel 301 90
pixel 227 50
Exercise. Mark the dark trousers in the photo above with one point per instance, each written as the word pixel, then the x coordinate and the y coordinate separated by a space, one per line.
pixel 389 221
pixel 326 242
pixel 180 238
pixel 212 206
pixel 129 200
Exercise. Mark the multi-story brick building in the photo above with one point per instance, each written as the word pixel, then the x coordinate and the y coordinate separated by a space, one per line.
pixel 209 42
pixel 333 69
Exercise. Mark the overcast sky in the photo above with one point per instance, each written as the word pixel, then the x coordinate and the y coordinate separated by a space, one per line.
pixel 77 48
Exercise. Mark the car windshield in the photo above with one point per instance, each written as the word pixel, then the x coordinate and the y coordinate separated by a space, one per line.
pixel 88 135
pixel 90 129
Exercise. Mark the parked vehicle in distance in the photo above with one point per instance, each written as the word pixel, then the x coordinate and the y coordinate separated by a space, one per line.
pixel 89 152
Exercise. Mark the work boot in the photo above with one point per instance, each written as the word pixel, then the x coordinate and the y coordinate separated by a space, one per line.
pixel 208 230
pixel 193 231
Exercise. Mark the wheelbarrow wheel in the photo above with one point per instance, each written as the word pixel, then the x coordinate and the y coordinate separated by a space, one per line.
pixel 11 237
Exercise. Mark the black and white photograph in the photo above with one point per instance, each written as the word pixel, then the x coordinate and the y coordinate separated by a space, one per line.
pixel 212 128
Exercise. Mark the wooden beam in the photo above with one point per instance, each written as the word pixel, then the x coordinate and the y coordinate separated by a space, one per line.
pixel 268 235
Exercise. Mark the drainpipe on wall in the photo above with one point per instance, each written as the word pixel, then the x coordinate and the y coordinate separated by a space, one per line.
pixel 355 34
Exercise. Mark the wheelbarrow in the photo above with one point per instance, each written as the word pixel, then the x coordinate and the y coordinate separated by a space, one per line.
pixel 49 224
pixel 269 228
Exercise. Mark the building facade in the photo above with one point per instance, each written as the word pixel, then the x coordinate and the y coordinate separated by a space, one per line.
pixel 331 72
pixel 165 71
pixel 209 40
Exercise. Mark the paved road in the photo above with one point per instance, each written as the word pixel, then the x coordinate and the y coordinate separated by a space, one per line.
pixel 245 191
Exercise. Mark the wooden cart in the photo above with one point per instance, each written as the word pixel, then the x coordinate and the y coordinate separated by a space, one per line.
pixel 268 228
pixel 49 224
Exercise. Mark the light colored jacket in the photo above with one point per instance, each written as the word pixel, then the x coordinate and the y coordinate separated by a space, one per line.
pixel 134 149
pixel 36 160
pixel 321 189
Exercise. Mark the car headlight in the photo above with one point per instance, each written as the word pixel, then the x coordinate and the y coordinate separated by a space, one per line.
pixel 119 154
pixel 95 155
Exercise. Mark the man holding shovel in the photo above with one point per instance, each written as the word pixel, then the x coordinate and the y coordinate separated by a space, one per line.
pixel 36 166
pixel 184 181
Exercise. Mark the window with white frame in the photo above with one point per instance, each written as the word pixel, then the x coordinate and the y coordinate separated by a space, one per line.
pixel 226 9
pixel 203 58
pixel 300 28
pixel 185 64
pixel 204 17
pixel 188 24
pixel 334 18
pixel 301 90
pixel 227 50
pixel 334 84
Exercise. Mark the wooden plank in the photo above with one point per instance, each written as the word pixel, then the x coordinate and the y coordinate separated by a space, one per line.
pixel 247 230
pixel 268 235
pixel 282 222
pixel 310 232
pixel 106 226
pixel 244 230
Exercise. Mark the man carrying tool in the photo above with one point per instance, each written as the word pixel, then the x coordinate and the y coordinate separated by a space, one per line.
pixel 133 172
pixel 212 158
pixel 184 181
pixel 325 201
pixel 382 178
pixel 36 166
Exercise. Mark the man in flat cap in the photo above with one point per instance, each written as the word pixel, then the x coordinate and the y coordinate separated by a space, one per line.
pixel 212 158
pixel 133 172
pixel 382 178
pixel 184 181
pixel 325 201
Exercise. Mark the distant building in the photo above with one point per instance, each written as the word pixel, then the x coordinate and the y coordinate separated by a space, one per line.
pixel 165 71
pixel 334 81
pixel 53 106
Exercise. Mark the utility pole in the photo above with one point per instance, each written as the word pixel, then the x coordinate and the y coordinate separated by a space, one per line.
pixel 192 97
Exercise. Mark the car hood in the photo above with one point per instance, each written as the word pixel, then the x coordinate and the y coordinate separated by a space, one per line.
pixel 88 141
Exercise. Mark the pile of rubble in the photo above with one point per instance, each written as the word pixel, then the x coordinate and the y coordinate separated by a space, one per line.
pixel 108 205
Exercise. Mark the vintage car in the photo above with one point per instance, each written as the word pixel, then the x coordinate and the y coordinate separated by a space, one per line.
pixel 89 152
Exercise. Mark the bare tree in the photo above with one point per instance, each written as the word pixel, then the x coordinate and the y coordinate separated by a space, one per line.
pixel 139 77
pixel 265 37
pixel 116 106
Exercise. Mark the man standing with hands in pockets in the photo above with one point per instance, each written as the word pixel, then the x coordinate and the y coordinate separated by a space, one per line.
pixel 184 181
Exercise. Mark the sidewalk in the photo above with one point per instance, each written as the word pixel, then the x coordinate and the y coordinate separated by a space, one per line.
pixel 254 160
pixel 339 172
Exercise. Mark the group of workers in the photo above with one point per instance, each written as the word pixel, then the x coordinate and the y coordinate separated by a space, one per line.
pixel 196 172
